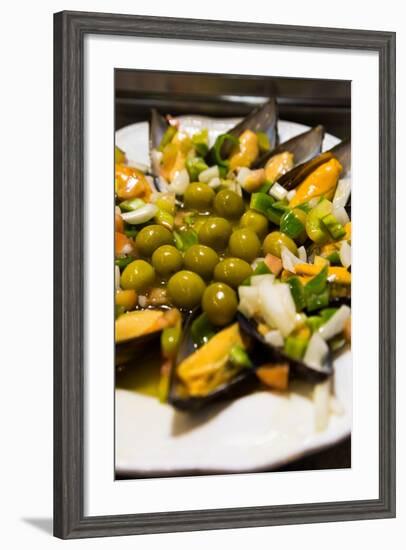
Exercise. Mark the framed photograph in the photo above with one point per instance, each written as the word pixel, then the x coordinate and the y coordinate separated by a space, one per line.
pixel 224 274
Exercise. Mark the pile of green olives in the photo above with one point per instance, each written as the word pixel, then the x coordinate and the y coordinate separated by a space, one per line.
pixel 208 272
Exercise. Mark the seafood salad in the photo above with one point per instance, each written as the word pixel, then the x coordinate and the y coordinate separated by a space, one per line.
pixel 233 259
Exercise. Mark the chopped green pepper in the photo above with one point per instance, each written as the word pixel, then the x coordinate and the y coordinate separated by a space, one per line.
pixel 200 141
pixel 261 202
pixel 317 301
pixel 239 357
pixel 201 330
pixel 333 226
pixel 195 166
pixel 298 293
pixel 218 145
pixel 185 238
pixel 168 136
pixel 295 346
pixel 293 223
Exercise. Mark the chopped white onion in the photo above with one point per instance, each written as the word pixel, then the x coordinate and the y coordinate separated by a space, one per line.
pixel 214 183
pixel 277 306
pixel 210 173
pixel 242 175
pixel 274 338
pixel 141 215
pixel 321 399
pixel 340 214
pixel 291 194
pixel 142 301
pixel 316 351
pixel 335 324
pixel 289 260
pixel 302 254
pixel 342 192
pixel 345 254
pixel 249 300
pixel 256 280
pixel 117 277
pixel 180 182
pixel 277 191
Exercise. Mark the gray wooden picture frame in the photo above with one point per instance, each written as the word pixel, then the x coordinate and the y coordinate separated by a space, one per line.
pixel 70 29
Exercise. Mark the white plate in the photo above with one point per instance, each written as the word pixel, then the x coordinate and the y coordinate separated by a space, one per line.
pixel 260 431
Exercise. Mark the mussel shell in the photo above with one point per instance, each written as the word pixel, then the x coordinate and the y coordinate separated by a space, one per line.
pixel 304 147
pixel 244 382
pixel 130 350
pixel 262 119
pixel 261 353
pixel 342 152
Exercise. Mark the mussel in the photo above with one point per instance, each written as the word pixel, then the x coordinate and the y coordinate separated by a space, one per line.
pixel 239 383
pixel 341 152
pixel 300 148
pixel 262 120
pixel 138 330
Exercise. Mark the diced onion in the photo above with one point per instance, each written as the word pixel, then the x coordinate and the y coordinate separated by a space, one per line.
pixel 277 191
pixel 277 306
pixel 335 324
pixel 302 254
pixel 256 280
pixel 180 182
pixel 345 254
pixel 342 193
pixel 210 173
pixel 242 175
pixel 316 351
pixel 340 214
pixel 249 300
pixel 291 194
pixel 141 215
pixel 289 260
pixel 321 399
pixel 274 338
pixel 142 301
pixel 214 183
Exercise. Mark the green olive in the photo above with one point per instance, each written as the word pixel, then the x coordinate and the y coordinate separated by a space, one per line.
pixel 232 271
pixel 255 221
pixel 244 244
pixel 201 259
pixel 152 237
pixel 198 196
pixel 273 242
pixel 219 303
pixel 228 204
pixel 138 275
pixel 167 260
pixel 185 289
pixel 215 233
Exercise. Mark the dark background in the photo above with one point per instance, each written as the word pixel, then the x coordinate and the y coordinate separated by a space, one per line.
pixel 308 101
